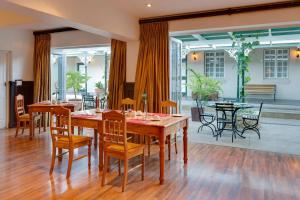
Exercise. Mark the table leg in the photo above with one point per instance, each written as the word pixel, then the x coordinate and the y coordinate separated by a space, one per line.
pixel 100 149
pixel 162 158
pixel 30 124
pixel 185 145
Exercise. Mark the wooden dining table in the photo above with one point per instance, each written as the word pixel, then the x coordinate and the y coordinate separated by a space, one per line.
pixel 44 107
pixel 149 126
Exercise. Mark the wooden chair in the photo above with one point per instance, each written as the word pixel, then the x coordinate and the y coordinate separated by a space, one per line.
pixel 128 104
pixel 23 119
pixel 62 137
pixel 167 107
pixel 115 144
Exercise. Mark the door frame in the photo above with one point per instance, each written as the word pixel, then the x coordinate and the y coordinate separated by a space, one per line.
pixel 8 70
pixel 179 101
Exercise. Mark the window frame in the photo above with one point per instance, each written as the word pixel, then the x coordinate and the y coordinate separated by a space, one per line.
pixel 276 64
pixel 214 64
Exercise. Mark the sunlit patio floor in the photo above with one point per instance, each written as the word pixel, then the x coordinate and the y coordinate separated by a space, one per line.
pixel 277 135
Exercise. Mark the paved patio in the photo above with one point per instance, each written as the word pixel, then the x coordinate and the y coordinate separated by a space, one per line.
pixel 277 135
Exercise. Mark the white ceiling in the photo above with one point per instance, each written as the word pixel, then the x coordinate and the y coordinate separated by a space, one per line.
pixel 139 9
pixel 13 16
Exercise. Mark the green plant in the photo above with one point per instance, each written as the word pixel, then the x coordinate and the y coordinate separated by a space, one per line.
pixel 203 87
pixel 75 81
pixel 99 85
pixel 243 60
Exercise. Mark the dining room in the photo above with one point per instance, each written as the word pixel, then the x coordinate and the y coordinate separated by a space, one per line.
pixel 93 108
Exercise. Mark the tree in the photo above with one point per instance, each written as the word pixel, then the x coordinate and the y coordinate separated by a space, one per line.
pixel 75 81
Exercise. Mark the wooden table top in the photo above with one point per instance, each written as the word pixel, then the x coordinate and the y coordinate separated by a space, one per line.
pixel 165 120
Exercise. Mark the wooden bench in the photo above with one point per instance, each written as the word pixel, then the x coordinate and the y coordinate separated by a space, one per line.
pixel 261 89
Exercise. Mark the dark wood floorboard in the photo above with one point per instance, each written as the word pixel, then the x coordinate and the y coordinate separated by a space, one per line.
pixel 213 172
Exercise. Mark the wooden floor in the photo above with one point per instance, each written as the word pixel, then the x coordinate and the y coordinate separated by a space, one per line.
pixel 213 172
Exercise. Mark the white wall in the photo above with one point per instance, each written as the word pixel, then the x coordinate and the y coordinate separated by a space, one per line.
pixel 98 17
pixel 21 44
pixel 279 17
pixel 228 83
pixel 286 88
pixel 131 60
pixel 77 38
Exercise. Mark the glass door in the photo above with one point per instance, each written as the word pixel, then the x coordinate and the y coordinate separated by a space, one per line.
pixel 175 71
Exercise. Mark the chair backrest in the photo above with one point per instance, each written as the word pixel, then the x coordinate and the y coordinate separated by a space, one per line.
pixel 88 101
pixel 128 104
pixel 19 105
pixel 168 107
pixel 114 129
pixel 223 108
pixel 260 108
pixel 60 124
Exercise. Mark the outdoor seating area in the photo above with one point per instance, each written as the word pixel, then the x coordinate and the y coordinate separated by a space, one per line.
pixel 149 100
pixel 226 113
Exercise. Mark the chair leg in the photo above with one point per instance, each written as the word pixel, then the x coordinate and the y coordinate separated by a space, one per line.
pixel 23 127
pixel 40 126
pixel 143 164
pixel 53 159
pixel 108 163
pixel 257 131
pixel 104 169
pixel 119 167
pixel 125 174
pixel 71 152
pixel 149 145
pixel 175 141
pixel 95 138
pixel 89 154
pixel 17 129
pixel 169 146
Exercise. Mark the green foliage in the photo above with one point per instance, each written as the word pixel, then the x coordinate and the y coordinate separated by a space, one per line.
pixel 75 81
pixel 243 46
pixel 203 87
pixel 99 85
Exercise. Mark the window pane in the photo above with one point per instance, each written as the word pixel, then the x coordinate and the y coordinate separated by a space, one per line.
pixel 276 63
pixel 214 64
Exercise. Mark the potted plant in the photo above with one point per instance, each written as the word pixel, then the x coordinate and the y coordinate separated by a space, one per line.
pixel 75 81
pixel 204 88
pixel 99 88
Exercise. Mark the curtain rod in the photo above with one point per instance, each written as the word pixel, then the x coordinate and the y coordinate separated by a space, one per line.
pixel 55 30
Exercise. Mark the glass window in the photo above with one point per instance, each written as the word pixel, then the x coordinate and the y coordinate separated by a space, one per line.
pixel 214 64
pixel 276 63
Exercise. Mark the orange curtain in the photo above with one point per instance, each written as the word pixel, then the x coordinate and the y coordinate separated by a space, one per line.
pixel 41 68
pixel 152 74
pixel 117 74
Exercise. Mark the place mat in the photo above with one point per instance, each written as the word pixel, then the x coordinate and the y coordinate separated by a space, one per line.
pixel 138 121
pixel 84 115
pixel 158 114
pixel 44 103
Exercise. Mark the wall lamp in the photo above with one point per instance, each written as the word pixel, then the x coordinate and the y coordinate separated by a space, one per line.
pixel 194 56
pixel 298 53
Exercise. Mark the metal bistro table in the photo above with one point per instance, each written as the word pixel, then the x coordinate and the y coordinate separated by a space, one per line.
pixel 236 108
